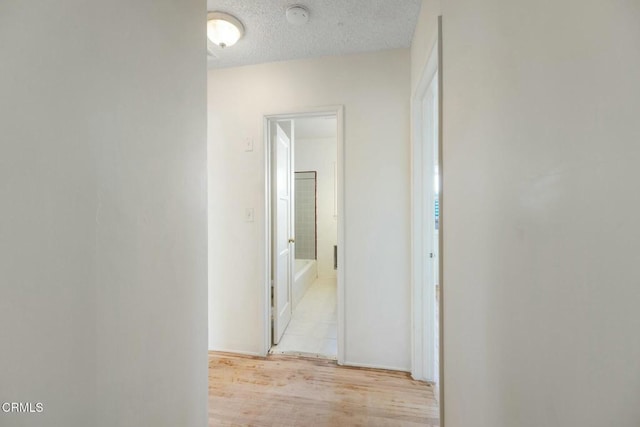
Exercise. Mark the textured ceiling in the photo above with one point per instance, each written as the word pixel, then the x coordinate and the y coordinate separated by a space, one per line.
pixel 335 27
pixel 316 127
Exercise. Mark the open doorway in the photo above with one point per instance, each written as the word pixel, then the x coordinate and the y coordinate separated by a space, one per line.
pixel 304 205
pixel 427 225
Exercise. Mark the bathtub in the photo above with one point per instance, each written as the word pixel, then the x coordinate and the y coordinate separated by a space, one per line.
pixel 306 272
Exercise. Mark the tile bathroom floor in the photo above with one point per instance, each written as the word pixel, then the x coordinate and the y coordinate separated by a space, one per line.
pixel 312 330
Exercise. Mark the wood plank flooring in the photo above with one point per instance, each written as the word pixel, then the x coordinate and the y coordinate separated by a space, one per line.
pixel 293 391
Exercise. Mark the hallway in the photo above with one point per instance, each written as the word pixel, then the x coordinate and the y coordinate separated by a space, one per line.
pixel 312 330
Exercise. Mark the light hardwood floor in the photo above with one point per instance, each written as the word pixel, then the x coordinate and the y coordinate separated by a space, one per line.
pixel 293 391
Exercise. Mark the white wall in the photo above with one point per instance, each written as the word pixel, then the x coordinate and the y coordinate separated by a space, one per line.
pixel 103 212
pixel 375 91
pixel 541 208
pixel 320 155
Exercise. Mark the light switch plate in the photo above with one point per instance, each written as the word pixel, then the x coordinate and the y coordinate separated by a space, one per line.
pixel 248 144
pixel 248 215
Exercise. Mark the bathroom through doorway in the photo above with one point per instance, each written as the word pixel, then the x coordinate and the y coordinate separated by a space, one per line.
pixel 304 206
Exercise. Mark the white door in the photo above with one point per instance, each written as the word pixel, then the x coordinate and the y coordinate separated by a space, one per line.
pixel 431 185
pixel 283 227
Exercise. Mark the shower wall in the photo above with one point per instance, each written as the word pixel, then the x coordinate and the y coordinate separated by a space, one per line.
pixel 319 155
pixel 305 213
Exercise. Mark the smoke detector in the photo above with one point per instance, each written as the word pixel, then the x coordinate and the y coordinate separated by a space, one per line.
pixel 297 15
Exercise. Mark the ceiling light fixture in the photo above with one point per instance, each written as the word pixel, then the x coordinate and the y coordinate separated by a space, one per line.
pixel 223 29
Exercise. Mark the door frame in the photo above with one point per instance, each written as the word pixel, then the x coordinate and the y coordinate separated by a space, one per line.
pixel 423 301
pixel 338 112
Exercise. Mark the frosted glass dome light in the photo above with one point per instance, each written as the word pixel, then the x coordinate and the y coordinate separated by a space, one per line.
pixel 223 29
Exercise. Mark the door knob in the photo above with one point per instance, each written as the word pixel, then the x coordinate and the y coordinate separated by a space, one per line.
pixel 292 240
